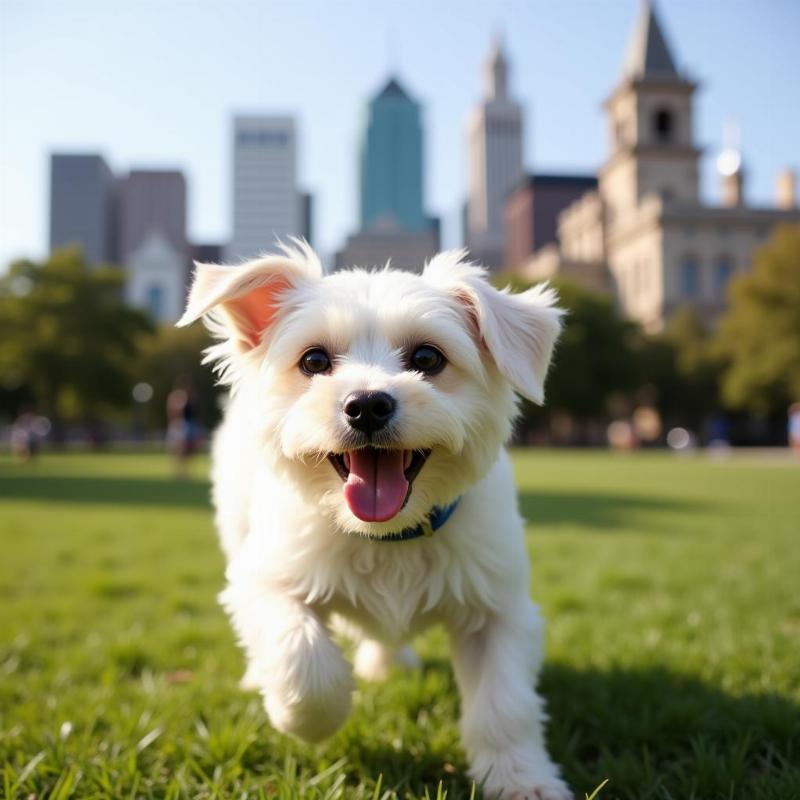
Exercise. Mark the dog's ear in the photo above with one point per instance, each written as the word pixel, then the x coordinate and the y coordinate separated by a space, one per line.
pixel 518 330
pixel 247 297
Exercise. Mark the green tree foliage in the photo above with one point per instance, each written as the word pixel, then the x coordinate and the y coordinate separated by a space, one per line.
pixel 174 356
pixel 67 340
pixel 680 370
pixel 760 335
pixel 596 358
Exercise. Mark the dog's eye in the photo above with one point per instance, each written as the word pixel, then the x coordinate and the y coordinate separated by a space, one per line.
pixel 315 361
pixel 427 359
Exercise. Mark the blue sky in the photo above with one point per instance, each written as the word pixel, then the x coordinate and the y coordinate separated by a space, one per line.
pixel 154 83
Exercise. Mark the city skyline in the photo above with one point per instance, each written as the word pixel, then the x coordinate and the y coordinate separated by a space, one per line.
pixel 328 153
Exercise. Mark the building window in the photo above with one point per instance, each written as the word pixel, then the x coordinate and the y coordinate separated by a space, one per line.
pixel 155 300
pixel 723 271
pixel 663 125
pixel 690 277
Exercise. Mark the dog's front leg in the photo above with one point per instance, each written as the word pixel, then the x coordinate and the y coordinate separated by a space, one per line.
pixel 304 679
pixel 503 717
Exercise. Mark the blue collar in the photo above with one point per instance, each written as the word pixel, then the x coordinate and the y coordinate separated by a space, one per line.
pixel 436 519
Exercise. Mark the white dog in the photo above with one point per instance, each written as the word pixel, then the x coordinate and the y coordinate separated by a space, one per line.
pixel 361 484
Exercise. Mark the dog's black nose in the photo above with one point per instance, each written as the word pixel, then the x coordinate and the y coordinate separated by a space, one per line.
pixel 368 411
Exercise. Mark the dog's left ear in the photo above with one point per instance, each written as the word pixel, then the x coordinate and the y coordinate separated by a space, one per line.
pixel 518 330
pixel 249 296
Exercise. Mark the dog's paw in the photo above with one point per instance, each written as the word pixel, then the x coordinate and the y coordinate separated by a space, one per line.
pixel 311 699
pixel 525 775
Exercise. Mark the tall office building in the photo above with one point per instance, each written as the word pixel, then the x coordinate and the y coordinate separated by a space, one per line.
pixel 394 224
pixel 150 202
pixel 82 205
pixel 266 201
pixel 494 132
pixel 392 161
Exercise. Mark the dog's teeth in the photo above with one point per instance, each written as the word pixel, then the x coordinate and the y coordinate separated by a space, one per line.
pixel 346 459
pixel 407 456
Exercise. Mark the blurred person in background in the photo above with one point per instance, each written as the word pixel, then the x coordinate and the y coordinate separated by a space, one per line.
pixel 25 436
pixel 182 424
pixel 794 428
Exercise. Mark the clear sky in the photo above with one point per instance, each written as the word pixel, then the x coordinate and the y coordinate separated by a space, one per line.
pixel 154 83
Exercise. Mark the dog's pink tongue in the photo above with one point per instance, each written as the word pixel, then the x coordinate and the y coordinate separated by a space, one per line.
pixel 376 487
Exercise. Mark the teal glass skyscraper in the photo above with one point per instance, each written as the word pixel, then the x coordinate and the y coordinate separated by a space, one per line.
pixel 392 162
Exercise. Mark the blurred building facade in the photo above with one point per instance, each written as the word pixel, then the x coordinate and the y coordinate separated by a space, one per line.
pixel 494 162
pixel 155 277
pixel 394 224
pixel 267 204
pixel 137 221
pixel 151 201
pixel 207 252
pixel 153 246
pixel 531 212
pixel 83 206
pixel 644 232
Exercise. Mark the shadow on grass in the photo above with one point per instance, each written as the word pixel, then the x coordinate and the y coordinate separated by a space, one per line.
pixel 596 510
pixel 658 734
pixel 653 733
pixel 110 490
pixel 593 510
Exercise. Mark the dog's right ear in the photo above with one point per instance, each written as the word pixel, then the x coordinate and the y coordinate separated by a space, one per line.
pixel 248 297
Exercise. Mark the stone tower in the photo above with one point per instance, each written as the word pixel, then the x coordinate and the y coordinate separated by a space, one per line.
pixel 650 126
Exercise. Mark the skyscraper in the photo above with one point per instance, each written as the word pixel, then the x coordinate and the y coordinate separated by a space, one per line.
pixel 152 201
pixel 494 132
pixel 266 202
pixel 82 205
pixel 394 224
pixel 392 161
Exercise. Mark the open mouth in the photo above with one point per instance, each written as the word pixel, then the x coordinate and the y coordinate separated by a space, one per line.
pixel 377 481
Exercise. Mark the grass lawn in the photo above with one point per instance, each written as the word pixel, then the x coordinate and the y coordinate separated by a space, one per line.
pixel 671 589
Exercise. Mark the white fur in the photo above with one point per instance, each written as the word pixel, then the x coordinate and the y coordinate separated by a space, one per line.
pixel 297 564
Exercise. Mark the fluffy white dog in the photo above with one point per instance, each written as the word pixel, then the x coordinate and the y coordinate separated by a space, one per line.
pixel 361 484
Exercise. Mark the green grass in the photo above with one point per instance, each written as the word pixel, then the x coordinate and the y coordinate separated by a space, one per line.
pixel 671 589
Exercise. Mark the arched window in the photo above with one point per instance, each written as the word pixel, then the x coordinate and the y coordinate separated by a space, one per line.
pixel 690 277
pixel 663 125
pixel 155 300
pixel 723 271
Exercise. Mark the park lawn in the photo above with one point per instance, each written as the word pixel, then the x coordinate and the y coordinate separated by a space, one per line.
pixel 671 588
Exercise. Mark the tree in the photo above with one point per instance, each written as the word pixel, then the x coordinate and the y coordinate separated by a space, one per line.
pixel 595 359
pixel 175 354
pixel 67 337
pixel 681 370
pixel 760 334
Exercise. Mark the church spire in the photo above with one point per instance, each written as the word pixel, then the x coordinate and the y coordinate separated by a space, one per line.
pixel 648 55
